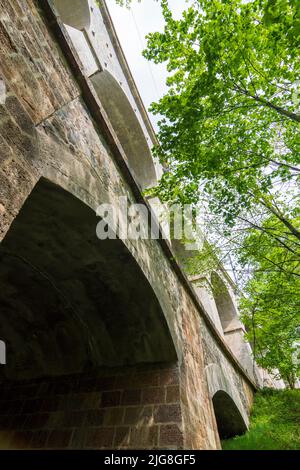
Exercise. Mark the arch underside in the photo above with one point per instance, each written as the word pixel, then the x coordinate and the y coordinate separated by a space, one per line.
pixel 70 302
pixel 230 414
pixel 226 309
pixel 127 128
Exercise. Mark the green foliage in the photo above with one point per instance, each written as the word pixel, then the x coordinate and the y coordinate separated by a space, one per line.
pixel 271 305
pixel 274 423
pixel 233 95
pixel 271 248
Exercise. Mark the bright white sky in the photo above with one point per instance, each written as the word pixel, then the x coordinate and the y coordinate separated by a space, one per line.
pixel 132 26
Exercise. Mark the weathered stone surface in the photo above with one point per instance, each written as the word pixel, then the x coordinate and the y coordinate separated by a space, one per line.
pixel 69 304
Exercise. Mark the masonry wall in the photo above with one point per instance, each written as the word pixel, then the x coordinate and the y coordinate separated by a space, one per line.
pixel 114 409
pixel 212 356
pixel 46 130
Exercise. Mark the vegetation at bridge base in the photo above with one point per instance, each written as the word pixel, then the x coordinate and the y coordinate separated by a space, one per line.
pixel 274 423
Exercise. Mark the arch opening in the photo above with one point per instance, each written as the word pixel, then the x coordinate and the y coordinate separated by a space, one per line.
pixel 84 331
pixel 232 327
pixel 229 420
pixel 127 127
pixel 76 16
pixel 226 309
pixel 63 286
pixel 2 352
pixel 75 13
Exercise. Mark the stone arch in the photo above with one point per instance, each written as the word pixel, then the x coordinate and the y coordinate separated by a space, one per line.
pixel 226 308
pixel 66 292
pixel 78 180
pixel 231 416
pixel 232 327
pixel 127 127
pixel 75 13
pixel 230 422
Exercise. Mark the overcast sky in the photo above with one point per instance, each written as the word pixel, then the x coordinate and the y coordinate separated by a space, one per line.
pixel 132 26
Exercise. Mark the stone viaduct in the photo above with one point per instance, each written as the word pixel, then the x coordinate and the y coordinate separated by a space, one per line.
pixel 108 344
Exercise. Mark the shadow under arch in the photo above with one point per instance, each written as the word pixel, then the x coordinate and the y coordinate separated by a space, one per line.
pixel 225 306
pixel 229 420
pixel 127 127
pixel 231 415
pixel 70 302
pixel 75 13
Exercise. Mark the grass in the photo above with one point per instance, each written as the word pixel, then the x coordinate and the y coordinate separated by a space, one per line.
pixel 274 423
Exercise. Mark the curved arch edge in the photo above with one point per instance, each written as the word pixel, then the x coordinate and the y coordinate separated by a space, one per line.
pixel 226 309
pixel 218 381
pixel 75 13
pixel 127 127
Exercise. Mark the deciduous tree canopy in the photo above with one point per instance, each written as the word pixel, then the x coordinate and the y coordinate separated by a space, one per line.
pixel 230 119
